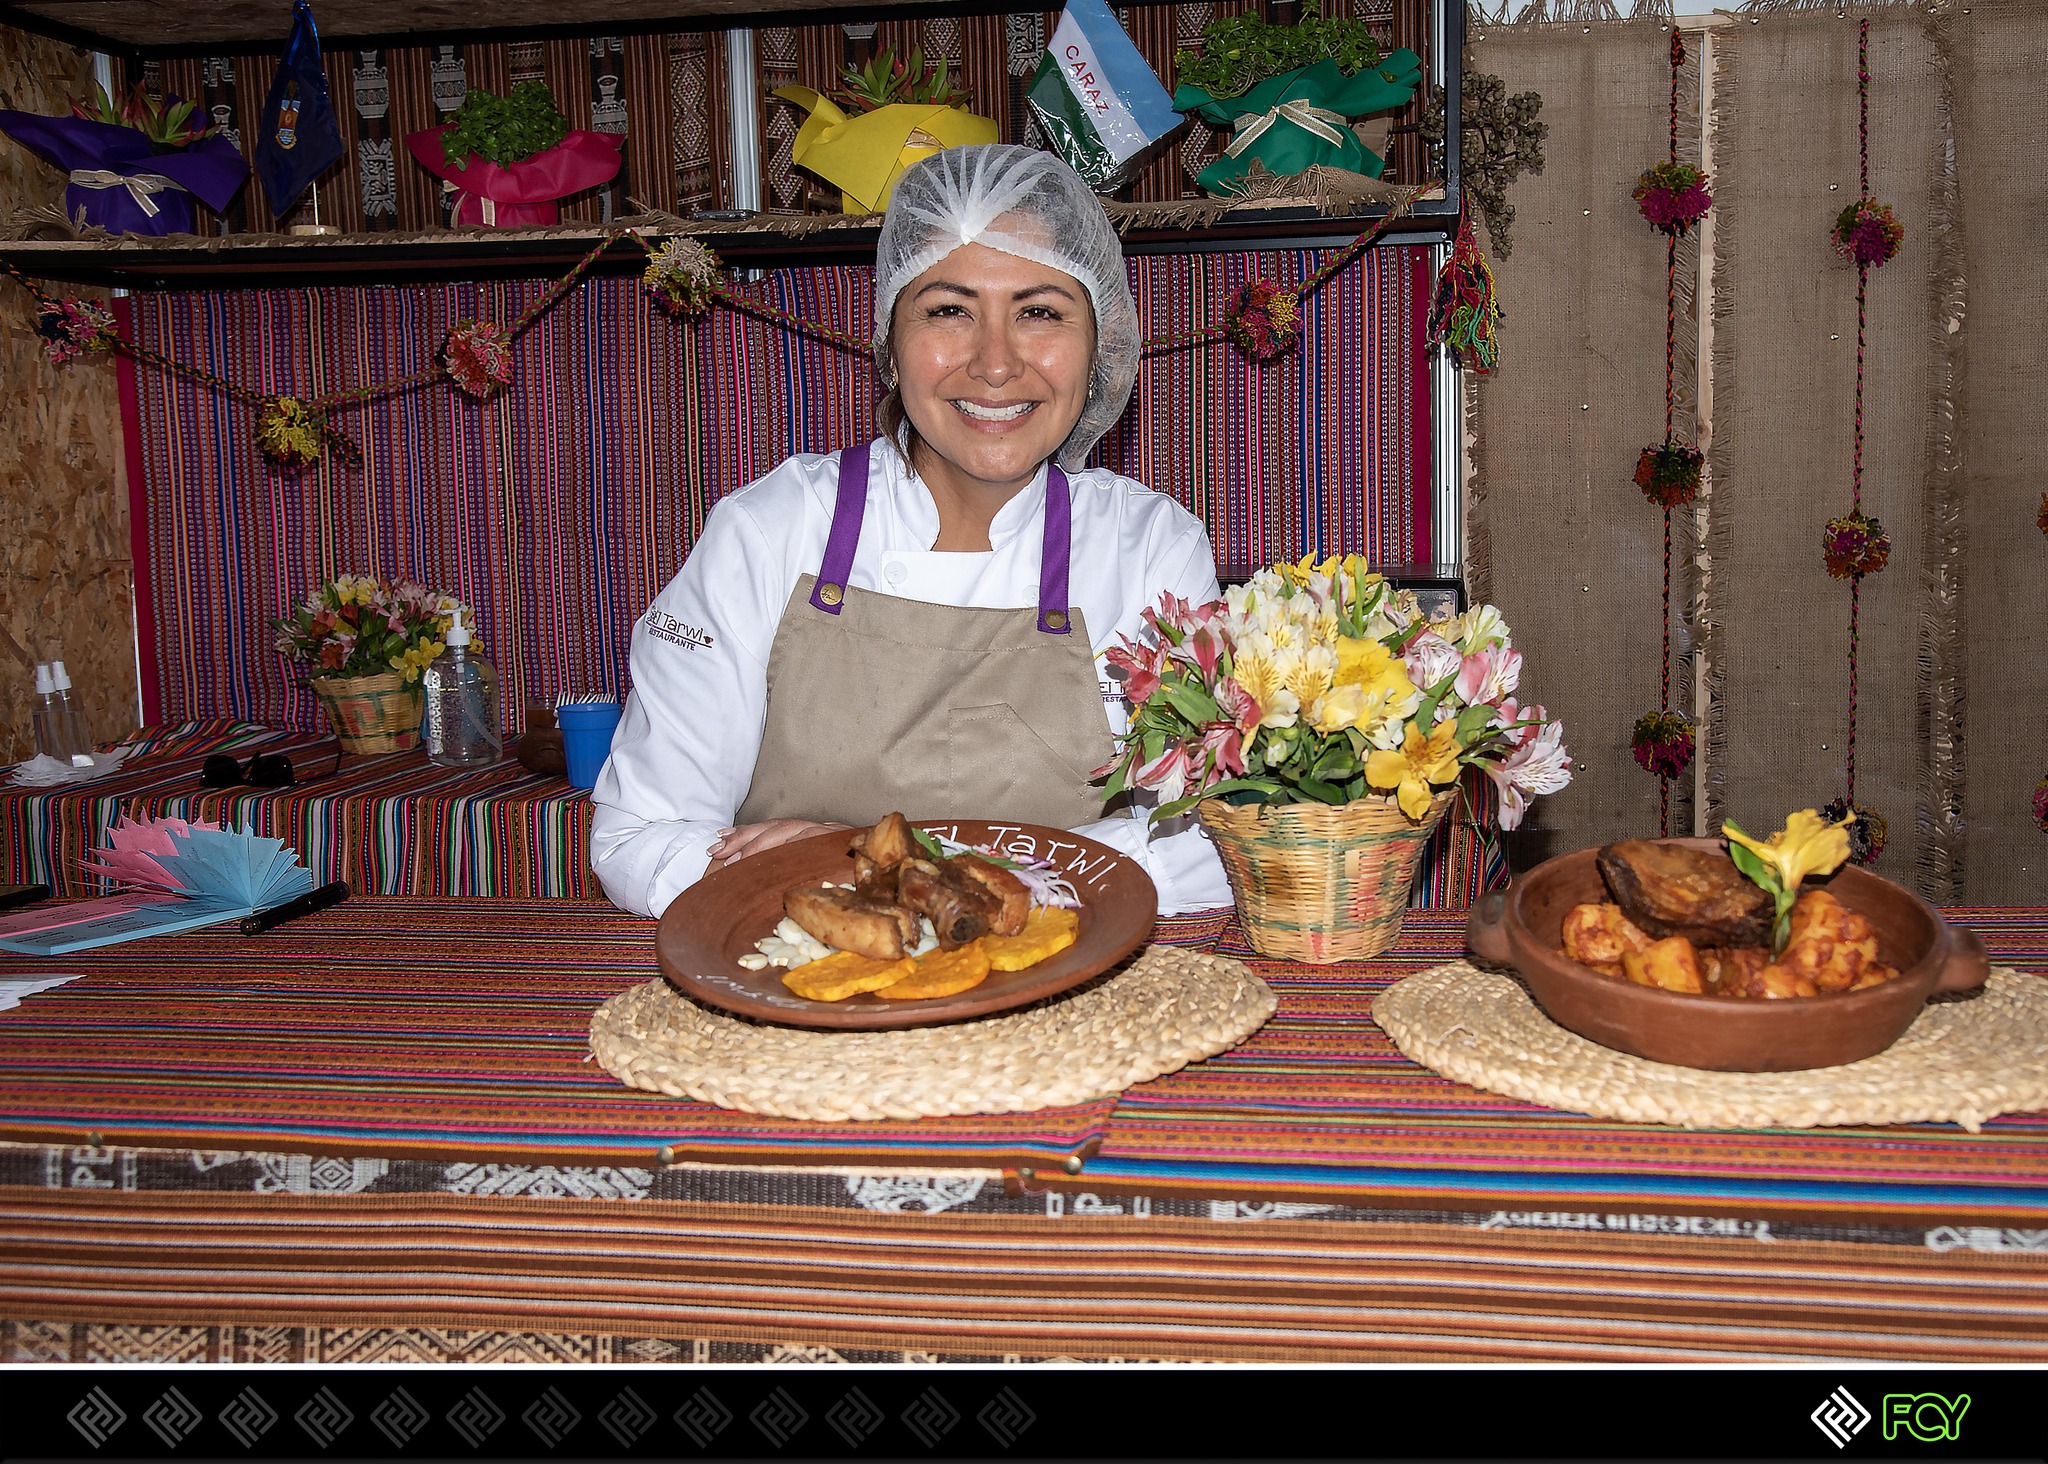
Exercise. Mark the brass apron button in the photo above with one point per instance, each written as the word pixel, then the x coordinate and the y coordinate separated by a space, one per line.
pixel 1056 619
pixel 830 594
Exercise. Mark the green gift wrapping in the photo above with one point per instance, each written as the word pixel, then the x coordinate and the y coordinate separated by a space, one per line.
pixel 1299 119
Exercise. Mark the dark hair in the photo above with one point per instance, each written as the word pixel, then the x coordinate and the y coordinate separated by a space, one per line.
pixel 893 422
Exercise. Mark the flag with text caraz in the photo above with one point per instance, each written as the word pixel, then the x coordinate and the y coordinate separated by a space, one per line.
pixel 1095 98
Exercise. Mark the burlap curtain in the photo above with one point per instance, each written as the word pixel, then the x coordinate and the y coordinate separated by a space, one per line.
pixel 1952 732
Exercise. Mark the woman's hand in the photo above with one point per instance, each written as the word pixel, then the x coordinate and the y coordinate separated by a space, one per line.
pixel 736 844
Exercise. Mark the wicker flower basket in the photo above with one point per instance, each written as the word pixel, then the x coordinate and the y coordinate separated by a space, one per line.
pixel 1320 882
pixel 371 714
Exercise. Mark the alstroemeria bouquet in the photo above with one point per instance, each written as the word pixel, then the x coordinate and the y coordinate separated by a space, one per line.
pixel 1323 683
pixel 359 626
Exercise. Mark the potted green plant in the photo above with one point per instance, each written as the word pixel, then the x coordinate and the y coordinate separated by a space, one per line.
pixel 1290 94
pixel 512 159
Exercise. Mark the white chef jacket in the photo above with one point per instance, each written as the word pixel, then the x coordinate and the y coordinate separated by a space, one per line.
pixel 683 757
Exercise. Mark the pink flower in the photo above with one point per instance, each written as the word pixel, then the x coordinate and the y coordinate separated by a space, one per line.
pixel 1207 648
pixel 1239 705
pixel 1142 665
pixel 1539 765
pixel 1222 746
pixel 1166 773
pixel 1429 659
pixel 1488 675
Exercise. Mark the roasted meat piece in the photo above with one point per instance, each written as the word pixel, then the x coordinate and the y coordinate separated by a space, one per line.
pixel 959 910
pixel 1599 936
pixel 1669 890
pixel 1012 896
pixel 850 921
pixel 889 842
pixel 876 881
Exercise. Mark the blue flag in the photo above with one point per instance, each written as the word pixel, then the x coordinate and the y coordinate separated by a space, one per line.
pixel 299 138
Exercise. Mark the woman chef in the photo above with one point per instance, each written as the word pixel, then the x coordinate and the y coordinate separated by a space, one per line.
pixel 918 624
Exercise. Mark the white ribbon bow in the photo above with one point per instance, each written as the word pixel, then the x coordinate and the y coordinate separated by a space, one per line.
pixel 139 185
pixel 1318 121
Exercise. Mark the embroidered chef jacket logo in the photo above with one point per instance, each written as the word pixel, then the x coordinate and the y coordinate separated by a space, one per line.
pixel 669 628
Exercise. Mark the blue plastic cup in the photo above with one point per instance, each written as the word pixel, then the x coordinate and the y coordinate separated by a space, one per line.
pixel 587 729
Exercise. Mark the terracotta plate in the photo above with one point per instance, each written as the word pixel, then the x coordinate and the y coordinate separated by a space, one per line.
pixel 717 920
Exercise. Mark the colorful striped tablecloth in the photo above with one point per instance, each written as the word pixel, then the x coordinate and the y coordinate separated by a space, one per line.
pixel 370 1136
pixel 393 825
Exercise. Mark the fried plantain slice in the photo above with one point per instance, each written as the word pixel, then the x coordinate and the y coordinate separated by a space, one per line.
pixel 941 973
pixel 1047 932
pixel 843 974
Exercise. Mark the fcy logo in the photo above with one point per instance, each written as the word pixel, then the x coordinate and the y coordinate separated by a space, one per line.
pixel 1929 1417
pixel 1840 1417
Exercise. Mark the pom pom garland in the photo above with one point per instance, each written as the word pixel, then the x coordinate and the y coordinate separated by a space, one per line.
pixel 2041 518
pixel 1662 743
pixel 73 328
pixel 289 433
pixel 1263 320
pixel 2041 804
pixel 477 355
pixel 1867 233
pixel 1669 473
pixel 1673 197
pixel 1855 544
pixel 1867 836
pixel 683 275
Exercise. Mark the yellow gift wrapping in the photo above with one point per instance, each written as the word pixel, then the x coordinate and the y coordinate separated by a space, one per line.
pixel 863 155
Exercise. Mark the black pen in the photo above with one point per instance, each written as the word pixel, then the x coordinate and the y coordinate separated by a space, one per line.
pixel 26 895
pixel 306 904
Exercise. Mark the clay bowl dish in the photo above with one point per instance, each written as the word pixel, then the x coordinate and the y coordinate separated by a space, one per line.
pixel 1521 927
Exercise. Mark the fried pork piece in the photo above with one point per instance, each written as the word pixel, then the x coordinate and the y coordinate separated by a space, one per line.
pixel 1831 948
pixel 889 842
pixel 1671 963
pixel 959 910
pixel 1599 936
pixel 850 921
pixel 1012 896
pixel 1669 890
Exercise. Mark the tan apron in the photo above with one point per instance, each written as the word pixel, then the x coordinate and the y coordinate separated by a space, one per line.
pixel 879 704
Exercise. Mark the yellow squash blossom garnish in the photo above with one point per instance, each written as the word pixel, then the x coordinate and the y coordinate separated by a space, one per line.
pixel 1807 845
pixel 1417 765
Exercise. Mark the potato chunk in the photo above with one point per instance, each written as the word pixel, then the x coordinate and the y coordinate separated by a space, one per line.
pixel 1599 936
pixel 1671 963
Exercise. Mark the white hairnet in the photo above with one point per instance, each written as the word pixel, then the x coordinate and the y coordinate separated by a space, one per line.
pixel 1030 204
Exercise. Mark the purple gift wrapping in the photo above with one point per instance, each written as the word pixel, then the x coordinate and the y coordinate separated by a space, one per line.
pixel 123 182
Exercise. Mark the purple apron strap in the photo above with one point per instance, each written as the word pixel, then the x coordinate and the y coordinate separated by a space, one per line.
pixel 1054 558
pixel 850 507
pixel 847 512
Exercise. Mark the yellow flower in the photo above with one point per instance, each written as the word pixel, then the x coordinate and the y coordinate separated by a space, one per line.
pixel 1362 662
pixel 1417 765
pixel 1808 844
pixel 1310 674
pixel 1262 674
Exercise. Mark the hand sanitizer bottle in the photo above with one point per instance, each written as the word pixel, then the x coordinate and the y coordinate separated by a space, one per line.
pixel 76 738
pixel 48 717
pixel 462 705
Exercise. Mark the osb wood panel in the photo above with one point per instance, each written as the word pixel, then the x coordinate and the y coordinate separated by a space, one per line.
pixel 1784 374
pixel 1561 538
pixel 1999 51
pixel 65 571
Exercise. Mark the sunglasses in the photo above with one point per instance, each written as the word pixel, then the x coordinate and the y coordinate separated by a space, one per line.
pixel 265 770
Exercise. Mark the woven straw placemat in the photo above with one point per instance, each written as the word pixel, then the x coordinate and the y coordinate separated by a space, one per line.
pixel 1166 1009
pixel 1960 1062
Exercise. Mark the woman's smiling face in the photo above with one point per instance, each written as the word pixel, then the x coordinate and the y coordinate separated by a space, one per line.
pixel 993 356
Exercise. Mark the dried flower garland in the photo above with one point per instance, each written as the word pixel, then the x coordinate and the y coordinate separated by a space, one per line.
pixel 1263 320
pixel 1669 473
pixel 1662 743
pixel 1868 233
pixel 684 276
pixel 477 355
pixel 71 328
pixel 2041 804
pixel 2041 518
pixel 291 434
pixel 1855 544
pixel 1673 197
pixel 1867 835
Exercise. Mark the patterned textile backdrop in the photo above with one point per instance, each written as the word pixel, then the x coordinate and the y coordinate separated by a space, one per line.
pixel 562 506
